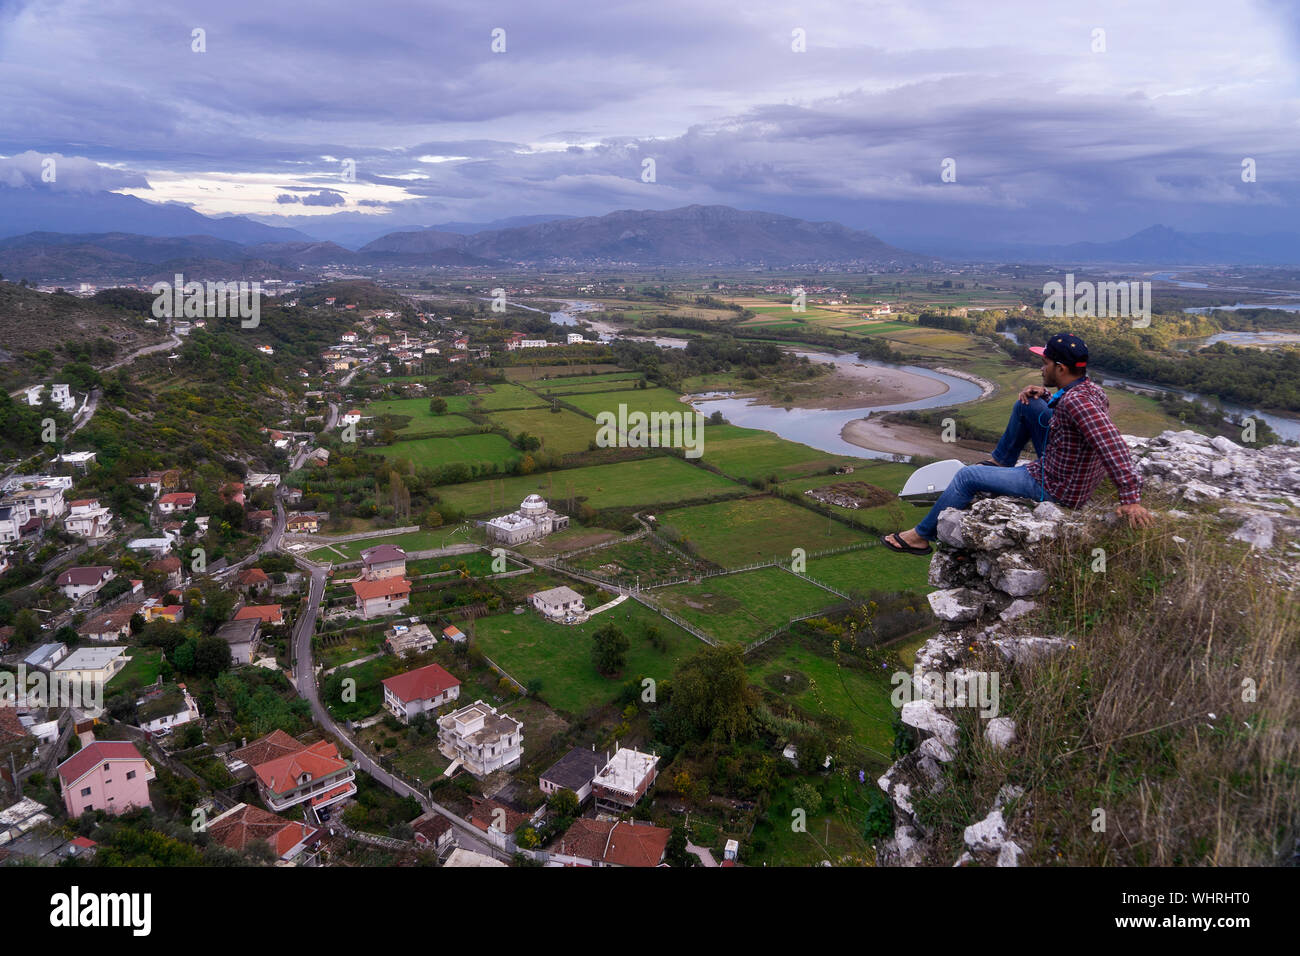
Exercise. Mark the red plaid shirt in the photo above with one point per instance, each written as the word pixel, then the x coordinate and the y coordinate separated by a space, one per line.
pixel 1083 445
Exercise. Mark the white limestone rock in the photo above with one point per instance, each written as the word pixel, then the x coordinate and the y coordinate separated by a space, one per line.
pixel 1018 608
pixel 956 604
pixel 1257 531
pixel 923 715
pixel 1009 854
pixel 1000 732
pixel 988 834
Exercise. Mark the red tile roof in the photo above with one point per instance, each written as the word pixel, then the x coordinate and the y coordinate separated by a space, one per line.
pixel 283 773
pixel 266 613
pixel 177 498
pixel 422 683
pixel 82 576
pixel 275 744
pixel 11 727
pixel 622 844
pixel 249 824
pixel 90 756
pixel 166 564
pixel 252 576
pixel 386 587
pixel 484 815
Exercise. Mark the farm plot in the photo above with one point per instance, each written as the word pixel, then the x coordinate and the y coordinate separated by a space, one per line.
pixel 555 659
pixel 749 453
pixel 436 452
pixel 563 432
pixel 732 533
pixel 645 481
pixel 739 608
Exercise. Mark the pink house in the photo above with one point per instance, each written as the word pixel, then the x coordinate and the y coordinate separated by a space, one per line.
pixel 105 775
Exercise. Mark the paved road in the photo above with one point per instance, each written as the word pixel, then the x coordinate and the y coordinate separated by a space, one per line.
pixel 304 671
pixel 172 342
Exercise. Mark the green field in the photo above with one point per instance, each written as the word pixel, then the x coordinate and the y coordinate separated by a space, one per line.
pixel 894 515
pixel 646 481
pixel 503 395
pixel 421 420
pixel 436 452
pixel 739 608
pixel 410 541
pixel 857 696
pixel 577 386
pixel 872 569
pixel 563 432
pixel 637 399
pixel 143 668
pixel 559 655
pixel 749 453
pixel 732 533
pixel 531 373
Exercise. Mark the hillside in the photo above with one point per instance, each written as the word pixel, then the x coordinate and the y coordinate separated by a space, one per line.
pixel 1145 705
pixel 70 328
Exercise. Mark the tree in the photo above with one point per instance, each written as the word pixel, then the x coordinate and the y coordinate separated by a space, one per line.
pixel 609 649
pixel 711 696
pixel 211 656
pixel 437 406
pixel 26 627
pixel 675 853
pixel 564 804
pixel 807 797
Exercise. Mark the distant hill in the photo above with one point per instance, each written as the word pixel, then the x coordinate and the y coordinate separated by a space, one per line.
pixel 25 209
pixel 1156 246
pixel 692 235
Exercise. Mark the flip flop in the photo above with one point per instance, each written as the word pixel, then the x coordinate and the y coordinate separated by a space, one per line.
pixel 902 547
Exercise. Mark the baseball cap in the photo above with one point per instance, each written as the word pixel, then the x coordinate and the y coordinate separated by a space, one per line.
pixel 1065 348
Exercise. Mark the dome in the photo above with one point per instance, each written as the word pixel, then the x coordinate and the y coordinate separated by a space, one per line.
pixel 533 504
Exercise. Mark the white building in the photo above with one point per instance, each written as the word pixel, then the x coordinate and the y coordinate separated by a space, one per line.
pixel 480 740
pixel 46 502
pixel 562 603
pixel 574 338
pixel 624 780
pixel 61 395
pixel 533 343
pixel 419 691
pixel 87 519
pixel 172 708
pixel 534 519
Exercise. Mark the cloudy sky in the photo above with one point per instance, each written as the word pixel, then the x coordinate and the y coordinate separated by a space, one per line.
pixel 1064 120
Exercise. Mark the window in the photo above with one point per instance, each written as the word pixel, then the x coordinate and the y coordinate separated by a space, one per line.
pixel 105 766
pixel 130 775
pixel 85 791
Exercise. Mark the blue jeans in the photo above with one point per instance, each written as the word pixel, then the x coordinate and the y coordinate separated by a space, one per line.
pixel 1028 423
pixel 1013 482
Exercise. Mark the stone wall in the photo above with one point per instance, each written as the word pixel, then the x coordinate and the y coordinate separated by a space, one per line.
pixel 989 568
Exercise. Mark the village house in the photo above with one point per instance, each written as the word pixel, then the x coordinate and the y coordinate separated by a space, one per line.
pixel 480 740
pixel 418 691
pixel 87 519
pixel 574 772
pixel 251 580
pixel 534 519
pixel 289 772
pixel 624 780
pixel 76 583
pixel 302 524
pixel 452 633
pixel 269 614
pixel 383 561
pixel 404 640
pixel 175 613
pixel 433 830
pixel 46 502
pixel 243 636
pixel 91 665
pixel 176 501
pixel 114 625
pixel 150 483
pixel 106 775
pixel 378 598
pixel 351 417
pixel 16 742
pixel 559 604
pixel 46 656
pixel 259 520
pixel 169 567
pixel 166 707
pixel 591 842
pixel 244 825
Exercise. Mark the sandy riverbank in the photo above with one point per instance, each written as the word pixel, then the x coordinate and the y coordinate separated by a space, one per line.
pixel 895 439
pixel 864 386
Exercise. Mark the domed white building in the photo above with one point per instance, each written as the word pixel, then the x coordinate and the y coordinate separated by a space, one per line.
pixel 533 520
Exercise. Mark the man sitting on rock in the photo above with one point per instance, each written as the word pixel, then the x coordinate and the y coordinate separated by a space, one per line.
pixel 1076 441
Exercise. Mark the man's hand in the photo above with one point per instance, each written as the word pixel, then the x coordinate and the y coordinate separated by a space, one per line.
pixel 1032 391
pixel 1138 517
